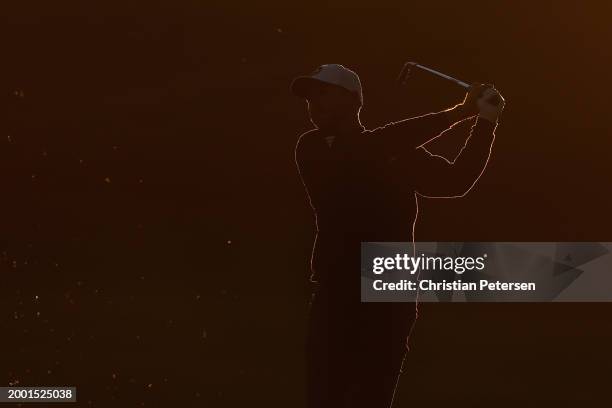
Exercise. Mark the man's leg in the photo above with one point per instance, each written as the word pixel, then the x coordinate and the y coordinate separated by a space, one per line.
pixel 355 350
pixel 383 332
pixel 331 345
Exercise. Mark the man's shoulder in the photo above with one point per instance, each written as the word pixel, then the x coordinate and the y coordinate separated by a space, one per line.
pixel 309 136
pixel 307 141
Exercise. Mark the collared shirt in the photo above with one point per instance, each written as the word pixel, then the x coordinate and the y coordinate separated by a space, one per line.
pixel 362 185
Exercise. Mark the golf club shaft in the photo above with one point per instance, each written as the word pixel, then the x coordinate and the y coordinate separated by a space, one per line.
pixel 405 72
pixel 441 75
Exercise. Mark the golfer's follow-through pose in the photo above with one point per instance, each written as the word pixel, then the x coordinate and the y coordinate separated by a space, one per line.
pixel 363 185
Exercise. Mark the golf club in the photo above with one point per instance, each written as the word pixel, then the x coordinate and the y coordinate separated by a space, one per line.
pixel 408 66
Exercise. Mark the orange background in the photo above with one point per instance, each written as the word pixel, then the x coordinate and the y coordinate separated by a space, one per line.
pixel 151 202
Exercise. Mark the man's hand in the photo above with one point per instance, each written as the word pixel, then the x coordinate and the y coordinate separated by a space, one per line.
pixel 469 107
pixel 470 102
pixel 490 105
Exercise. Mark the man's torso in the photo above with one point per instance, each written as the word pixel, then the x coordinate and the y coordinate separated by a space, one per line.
pixel 358 194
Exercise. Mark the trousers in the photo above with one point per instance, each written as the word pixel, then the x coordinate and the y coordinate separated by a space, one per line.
pixel 355 351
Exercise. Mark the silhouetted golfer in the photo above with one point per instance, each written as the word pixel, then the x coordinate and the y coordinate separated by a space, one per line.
pixel 363 185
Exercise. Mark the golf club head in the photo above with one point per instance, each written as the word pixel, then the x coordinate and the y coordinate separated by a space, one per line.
pixel 404 74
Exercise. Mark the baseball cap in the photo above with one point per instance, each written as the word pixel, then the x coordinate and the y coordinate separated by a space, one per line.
pixel 334 74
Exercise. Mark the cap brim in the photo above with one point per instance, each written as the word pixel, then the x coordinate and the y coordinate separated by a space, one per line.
pixel 301 86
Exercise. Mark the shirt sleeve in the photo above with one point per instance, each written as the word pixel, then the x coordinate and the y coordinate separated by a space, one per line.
pixel 408 134
pixel 438 177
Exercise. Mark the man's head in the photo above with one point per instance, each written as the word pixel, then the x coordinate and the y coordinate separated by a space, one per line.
pixel 334 96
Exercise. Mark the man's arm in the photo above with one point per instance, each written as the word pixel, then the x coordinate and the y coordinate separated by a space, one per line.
pixel 409 134
pixel 441 178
